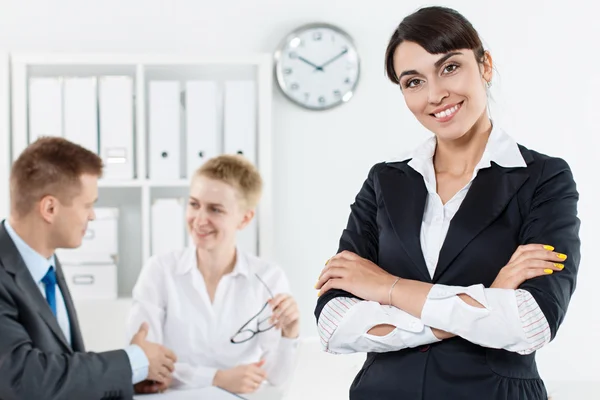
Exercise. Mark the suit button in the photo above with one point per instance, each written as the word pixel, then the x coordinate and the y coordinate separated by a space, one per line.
pixel 424 348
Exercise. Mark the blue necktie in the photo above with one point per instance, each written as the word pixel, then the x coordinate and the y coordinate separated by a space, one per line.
pixel 49 280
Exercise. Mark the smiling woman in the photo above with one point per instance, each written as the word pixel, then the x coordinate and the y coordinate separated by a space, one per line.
pixel 459 259
pixel 227 314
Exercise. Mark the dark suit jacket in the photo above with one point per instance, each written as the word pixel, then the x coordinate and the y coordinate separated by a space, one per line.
pixel 36 361
pixel 504 208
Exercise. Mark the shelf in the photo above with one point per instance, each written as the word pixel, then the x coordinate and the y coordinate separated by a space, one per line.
pixel 181 183
pixel 117 184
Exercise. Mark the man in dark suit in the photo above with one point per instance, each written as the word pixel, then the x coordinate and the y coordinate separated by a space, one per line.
pixel 53 188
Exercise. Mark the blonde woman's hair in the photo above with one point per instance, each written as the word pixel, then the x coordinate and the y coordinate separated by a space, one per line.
pixel 237 171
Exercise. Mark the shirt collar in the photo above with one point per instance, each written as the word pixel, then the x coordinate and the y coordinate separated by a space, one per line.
pixel 35 262
pixel 500 148
pixel 188 263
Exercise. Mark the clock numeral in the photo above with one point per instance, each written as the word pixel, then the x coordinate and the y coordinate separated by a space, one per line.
pixel 337 93
pixel 347 81
pixel 317 36
pixel 295 86
pixel 293 55
pixel 287 71
pixel 322 100
pixel 306 96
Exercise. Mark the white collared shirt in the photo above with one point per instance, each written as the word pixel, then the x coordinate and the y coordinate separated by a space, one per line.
pixel 171 296
pixel 344 322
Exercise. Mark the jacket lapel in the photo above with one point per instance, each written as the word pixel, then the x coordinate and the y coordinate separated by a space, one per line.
pixel 15 265
pixel 404 195
pixel 488 196
pixel 76 338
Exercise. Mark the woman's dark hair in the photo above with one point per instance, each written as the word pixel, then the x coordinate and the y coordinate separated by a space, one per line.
pixel 438 30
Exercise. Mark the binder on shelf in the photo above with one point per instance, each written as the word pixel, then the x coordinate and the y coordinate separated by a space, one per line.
pixel 116 126
pixel 81 112
pixel 45 107
pixel 164 130
pixel 240 118
pixel 203 139
pixel 167 225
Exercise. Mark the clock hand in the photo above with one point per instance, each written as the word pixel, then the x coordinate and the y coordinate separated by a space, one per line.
pixel 333 59
pixel 317 68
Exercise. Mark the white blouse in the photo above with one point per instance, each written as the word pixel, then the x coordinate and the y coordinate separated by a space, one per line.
pixel 171 296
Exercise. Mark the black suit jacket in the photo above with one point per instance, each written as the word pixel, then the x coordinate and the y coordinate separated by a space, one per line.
pixel 36 361
pixel 504 208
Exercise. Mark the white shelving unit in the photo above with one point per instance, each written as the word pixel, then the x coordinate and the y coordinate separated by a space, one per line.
pixel 5 158
pixel 134 197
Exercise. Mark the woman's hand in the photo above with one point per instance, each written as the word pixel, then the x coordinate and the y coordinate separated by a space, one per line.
pixel 241 379
pixel 529 261
pixel 286 315
pixel 356 275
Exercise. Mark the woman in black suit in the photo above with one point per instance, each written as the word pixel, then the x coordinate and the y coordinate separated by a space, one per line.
pixel 459 260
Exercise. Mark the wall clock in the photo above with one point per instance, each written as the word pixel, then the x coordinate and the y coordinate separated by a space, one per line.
pixel 317 66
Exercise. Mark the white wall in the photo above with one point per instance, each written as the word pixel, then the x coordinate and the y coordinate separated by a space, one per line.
pixel 545 97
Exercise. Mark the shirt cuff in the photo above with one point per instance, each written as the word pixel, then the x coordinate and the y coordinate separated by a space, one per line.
pixel 411 339
pixel 289 343
pixel 139 363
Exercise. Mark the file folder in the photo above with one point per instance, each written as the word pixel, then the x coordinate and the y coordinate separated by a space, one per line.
pixel 167 225
pixel 116 126
pixel 240 119
pixel 164 130
pixel 45 107
pixel 81 112
pixel 203 140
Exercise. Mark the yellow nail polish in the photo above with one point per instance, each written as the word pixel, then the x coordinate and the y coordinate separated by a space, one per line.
pixel 548 247
pixel 548 271
pixel 318 294
pixel 561 256
pixel 559 266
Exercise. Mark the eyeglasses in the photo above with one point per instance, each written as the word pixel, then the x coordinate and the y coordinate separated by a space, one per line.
pixel 261 318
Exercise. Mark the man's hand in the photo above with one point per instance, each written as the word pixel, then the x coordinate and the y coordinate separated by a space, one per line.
pixel 161 360
pixel 242 379
pixel 527 262
pixel 148 387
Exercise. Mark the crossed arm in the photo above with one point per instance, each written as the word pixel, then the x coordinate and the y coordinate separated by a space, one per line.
pixel 517 313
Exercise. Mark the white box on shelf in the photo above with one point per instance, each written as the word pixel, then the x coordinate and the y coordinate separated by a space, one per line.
pixel 240 118
pixel 203 140
pixel 164 107
pixel 45 107
pixel 91 281
pixel 168 225
pixel 81 112
pixel 116 126
pixel 99 244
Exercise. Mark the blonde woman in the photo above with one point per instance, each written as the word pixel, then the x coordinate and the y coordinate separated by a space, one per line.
pixel 227 314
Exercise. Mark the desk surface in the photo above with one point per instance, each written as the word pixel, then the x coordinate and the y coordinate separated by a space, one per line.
pixel 211 393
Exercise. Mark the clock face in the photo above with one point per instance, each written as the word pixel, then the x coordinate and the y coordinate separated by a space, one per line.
pixel 317 66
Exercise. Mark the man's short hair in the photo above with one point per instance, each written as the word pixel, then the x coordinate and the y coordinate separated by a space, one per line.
pixel 50 166
pixel 237 171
